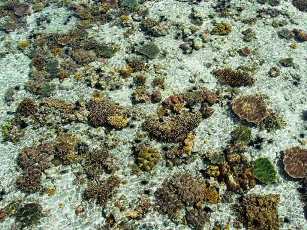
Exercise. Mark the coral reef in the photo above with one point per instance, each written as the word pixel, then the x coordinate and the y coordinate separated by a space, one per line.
pixel 295 162
pixel 184 190
pixel 174 128
pixel 147 157
pixel 251 108
pixel 29 214
pixel 264 171
pixel 106 113
pixel 234 78
pixel 102 191
pixel 260 212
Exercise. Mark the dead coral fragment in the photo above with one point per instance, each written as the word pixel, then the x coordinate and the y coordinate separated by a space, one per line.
pixel 183 190
pixel 102 191
pixel 251 108
pixel 260 212
pixel 107 113
pixel 295 162
pixel 234 78
pixel 174 128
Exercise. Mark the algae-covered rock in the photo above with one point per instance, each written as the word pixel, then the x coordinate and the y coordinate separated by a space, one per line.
pixel 130 4
pixel 149 50
pixel 29 214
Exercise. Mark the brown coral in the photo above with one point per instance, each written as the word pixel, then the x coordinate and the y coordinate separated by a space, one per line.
pixel 65 148
pixel 174 128
pixel 102 191
pixel 37 157
pixel 97 162
pixel 27 107
pixel 251 108
pixel 183 190
pixel 107 113
pixel 30 181
pixel 234 78
pixel 260 212
pixel 295 162
pixel 147 157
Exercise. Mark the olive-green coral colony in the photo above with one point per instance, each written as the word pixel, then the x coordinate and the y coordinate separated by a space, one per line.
pixel 264 171
pixel 165 114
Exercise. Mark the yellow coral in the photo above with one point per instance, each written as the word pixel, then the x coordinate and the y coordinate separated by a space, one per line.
pixel 189 143
pixel 118 121
pixel 212 195
pixel 23 44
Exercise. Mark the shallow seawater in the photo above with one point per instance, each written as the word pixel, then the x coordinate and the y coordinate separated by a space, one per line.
pixel 153 114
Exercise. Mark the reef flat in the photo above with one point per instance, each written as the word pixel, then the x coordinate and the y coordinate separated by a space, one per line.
pixel 153 114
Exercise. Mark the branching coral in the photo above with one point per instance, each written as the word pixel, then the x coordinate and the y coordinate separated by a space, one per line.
pixel 102 191
pixel 260 212
pixel 184 190
pixel 106 113
pixel 234 78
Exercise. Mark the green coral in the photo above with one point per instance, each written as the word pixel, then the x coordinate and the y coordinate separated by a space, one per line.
pixel 264 170
pixel 242 135
pixel 107 50
pixel 6 128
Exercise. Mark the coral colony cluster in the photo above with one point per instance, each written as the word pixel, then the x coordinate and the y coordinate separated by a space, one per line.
pixel 108 98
